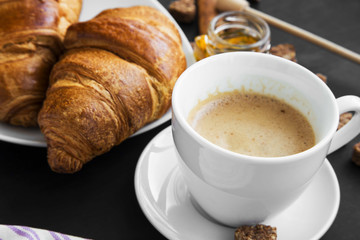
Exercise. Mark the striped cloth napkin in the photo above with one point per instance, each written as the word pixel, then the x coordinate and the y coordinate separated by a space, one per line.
pixel 12 232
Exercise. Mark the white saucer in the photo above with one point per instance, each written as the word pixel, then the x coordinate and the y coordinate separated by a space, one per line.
pixel 166 202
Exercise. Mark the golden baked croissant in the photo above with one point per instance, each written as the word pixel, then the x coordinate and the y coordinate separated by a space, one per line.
pixel 116 76
pixel 31 34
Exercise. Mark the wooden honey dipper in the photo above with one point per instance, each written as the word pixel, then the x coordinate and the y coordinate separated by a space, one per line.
pixel 243 5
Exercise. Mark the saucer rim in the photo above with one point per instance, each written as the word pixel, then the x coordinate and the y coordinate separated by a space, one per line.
pixel 160 225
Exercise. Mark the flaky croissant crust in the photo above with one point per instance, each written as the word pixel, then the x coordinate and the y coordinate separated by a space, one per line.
pixel 138 34
pixel 116 76
pixel 31 34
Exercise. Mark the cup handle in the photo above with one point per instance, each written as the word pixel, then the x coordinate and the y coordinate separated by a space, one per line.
pixel 351 129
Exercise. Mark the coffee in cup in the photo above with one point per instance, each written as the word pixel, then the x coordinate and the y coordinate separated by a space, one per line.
pixel 252 124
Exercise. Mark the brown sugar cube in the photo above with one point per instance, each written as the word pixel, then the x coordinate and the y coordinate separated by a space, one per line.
pixel 183 11
pixel 257 232
pixel 356 154
pixel 284 50
pixel 322 77
pixel 344 119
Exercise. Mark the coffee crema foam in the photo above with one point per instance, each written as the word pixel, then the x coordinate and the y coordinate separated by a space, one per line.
pixel 252 124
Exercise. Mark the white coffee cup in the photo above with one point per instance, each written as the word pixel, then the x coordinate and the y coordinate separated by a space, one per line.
pixel 237 189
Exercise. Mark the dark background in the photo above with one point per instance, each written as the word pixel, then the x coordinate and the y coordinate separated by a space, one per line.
pixel 99 202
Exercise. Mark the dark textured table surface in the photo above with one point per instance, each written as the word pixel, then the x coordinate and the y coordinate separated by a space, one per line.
pixel 99 202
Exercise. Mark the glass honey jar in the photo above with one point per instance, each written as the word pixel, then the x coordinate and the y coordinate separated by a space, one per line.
pixel 233 31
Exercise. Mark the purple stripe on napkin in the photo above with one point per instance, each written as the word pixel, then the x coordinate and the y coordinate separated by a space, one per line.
pixel 65 237
pixel 59 236
pixel 21 232
pixel 28 233
pixel 32 232
pixel 54 235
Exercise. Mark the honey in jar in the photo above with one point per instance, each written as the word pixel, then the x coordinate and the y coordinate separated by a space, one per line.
pixel 233 31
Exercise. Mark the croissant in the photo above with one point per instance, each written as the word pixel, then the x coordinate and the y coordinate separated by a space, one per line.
pixel 116 75
pixel 31 34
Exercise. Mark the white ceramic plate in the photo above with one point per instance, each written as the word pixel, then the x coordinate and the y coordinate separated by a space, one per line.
pixel 166 202
pixel 33 136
